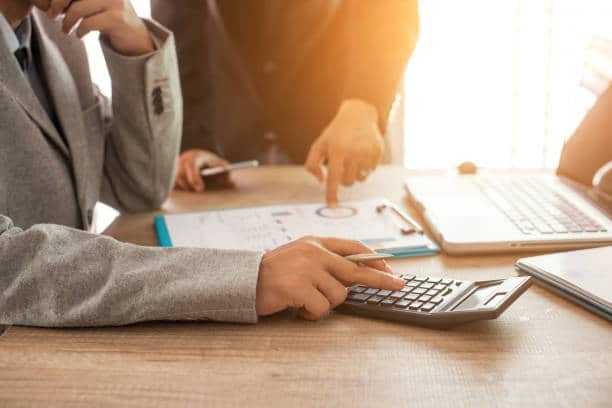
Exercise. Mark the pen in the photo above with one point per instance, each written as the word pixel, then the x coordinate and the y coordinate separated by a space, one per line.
pixel 367 257
pixel 213 171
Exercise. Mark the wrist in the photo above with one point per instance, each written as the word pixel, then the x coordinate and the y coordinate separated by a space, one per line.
pixel 359 109
pixel 133 44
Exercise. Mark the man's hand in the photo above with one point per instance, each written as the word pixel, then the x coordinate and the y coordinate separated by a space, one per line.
pixel 351 145
pixel 188 170
pixel 115 19
pixel 312 275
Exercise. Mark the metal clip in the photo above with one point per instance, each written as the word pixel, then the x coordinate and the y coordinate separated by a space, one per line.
pixel 413 226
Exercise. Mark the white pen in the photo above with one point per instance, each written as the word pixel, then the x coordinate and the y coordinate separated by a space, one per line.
pixel 367 257
pixel 213 171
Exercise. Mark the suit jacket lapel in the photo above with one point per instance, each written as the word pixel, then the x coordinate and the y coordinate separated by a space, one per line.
pixel 17 85
pixel 64 94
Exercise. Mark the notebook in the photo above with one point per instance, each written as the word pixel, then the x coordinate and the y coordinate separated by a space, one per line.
pixel 267 227
pixel 583 277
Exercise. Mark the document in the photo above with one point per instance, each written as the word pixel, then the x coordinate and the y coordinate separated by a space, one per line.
pixel 265 228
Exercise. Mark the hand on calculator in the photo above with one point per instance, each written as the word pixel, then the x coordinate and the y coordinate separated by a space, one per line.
pixel 311 274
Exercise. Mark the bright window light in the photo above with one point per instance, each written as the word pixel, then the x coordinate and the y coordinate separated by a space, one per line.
pixel 498 82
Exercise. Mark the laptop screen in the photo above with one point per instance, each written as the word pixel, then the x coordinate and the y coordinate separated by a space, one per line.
pixel 590 147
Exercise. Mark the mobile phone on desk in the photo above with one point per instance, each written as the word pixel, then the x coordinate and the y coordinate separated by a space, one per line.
pixel 215 171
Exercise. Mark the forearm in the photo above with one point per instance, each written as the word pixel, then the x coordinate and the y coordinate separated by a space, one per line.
pixel 384 35
pixel 53 276
pixel 146 125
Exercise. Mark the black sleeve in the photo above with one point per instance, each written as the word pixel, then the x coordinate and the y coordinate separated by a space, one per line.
pixel 383 37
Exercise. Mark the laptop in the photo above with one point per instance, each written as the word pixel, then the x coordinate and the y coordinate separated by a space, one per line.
pixel 520 211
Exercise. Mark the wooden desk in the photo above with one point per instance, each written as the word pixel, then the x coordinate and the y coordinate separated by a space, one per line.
pixel 544 351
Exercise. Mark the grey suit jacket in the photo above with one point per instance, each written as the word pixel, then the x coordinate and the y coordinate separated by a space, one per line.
pixel 52 273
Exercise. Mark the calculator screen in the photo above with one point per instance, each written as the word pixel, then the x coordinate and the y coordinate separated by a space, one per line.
pixel 477 298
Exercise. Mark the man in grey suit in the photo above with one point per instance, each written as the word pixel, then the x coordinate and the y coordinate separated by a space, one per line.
pixel 63 147
pixel 300 81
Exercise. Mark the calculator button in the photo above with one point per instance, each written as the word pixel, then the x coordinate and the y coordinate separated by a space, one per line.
pixel 371 291
pixel 358 289
pixel 424 298
pixel 408 277
pixel 413 283
pixel 419 279
pixel 388 302
pixel 384 292
pixel 416 305
pixel 375 299
pixel 412 296
pixel 419 291
pixel 401 303
pixel 398 294
pixel 437 300
pixel 434 280
pixel 447 281
pixel 439 287
pixel 432 292
pixel 358 297
pixel 427 285
pixel 406 289
pixel 428 307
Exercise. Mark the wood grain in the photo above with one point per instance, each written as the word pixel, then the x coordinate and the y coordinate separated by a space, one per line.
pixel 543 351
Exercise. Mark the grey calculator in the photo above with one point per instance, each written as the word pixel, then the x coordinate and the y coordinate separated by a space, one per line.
pixel 436 302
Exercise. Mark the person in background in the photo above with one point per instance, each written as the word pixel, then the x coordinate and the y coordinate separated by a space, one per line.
pixel 289 82
pixel 63 147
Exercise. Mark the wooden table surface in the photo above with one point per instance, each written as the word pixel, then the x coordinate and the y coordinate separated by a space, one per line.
pixel 543 351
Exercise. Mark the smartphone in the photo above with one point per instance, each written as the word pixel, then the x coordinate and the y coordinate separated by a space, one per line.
pixel 214 171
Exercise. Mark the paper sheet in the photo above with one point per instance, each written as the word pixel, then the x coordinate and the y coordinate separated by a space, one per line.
pixel 265 228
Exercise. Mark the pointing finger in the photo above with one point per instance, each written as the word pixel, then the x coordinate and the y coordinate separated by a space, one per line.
pixel 334 175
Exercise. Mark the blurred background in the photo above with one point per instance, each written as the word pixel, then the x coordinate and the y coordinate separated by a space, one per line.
pixel 501 83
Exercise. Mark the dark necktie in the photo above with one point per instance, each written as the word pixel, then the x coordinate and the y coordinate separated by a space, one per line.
pixel 22 57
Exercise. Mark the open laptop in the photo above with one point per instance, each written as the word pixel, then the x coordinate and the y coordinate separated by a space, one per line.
pixel 525 211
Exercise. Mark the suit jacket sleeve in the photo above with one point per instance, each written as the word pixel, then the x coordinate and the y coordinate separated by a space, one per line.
pixel 144 127
pixel 383 37
pixel 55 276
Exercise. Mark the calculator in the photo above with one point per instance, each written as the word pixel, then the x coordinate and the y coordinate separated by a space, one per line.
pixel 436 302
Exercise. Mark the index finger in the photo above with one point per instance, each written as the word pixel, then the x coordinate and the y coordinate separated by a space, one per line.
pixel 352 274
pixel 334 176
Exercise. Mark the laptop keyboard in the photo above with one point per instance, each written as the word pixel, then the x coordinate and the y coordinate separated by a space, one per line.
pixel 535 208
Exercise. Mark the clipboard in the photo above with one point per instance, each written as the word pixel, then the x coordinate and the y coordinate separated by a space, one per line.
pixel 266 227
